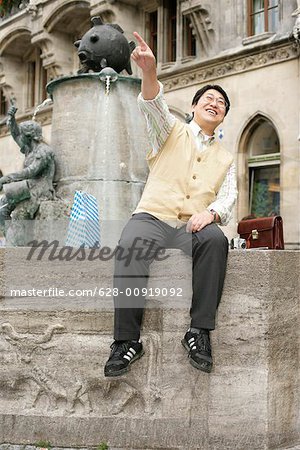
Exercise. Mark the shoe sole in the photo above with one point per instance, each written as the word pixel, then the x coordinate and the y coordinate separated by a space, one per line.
pixel 125 369
pixel 194 363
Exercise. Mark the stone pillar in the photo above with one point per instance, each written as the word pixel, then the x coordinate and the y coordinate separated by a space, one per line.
pixel 100 141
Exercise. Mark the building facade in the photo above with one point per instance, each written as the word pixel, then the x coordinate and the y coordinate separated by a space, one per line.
pixel 249 47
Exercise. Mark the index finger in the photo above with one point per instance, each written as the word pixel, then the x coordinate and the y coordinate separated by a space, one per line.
pixel 139 39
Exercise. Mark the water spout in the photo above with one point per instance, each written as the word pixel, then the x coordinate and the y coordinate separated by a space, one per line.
pixel 107 84
pixel 45 103
pixel 108 76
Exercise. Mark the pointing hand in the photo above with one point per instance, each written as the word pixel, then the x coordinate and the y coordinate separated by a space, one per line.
pixel 142 55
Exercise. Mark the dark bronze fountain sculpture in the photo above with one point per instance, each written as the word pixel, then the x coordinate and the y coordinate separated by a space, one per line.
pixel 104 45
pixel 24 190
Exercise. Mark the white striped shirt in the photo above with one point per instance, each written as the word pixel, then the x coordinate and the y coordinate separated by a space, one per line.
pixel 160 123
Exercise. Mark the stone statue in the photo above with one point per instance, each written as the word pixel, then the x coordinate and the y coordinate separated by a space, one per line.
pixel 24 190
pixel 296 28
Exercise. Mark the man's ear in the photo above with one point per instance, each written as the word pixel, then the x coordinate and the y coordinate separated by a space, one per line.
pixel 189 117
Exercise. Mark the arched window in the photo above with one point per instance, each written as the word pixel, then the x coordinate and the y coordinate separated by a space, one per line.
pixel 263 150
pixel 3 104
pixel 152 26
pixel 25 71
pixel 189 37
pixel 170 27
pixel 36 78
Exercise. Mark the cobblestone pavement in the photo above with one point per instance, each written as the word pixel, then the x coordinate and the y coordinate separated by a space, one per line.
pixel 31 447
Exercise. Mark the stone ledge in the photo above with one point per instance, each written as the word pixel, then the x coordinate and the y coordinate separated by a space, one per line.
pixel 53 388
pixel 32 447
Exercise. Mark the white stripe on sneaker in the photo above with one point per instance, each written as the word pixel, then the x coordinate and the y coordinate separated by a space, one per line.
pixel 191 342
pixel 130 354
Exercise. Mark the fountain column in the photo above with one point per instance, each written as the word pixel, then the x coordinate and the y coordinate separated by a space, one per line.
pixel 100 140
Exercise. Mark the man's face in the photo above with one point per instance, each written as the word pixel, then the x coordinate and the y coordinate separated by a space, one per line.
pixel 210 109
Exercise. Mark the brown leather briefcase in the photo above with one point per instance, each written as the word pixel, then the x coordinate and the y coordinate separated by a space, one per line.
pixel 262 232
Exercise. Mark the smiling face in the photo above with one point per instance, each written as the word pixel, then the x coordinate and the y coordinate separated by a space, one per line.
pixel 209 111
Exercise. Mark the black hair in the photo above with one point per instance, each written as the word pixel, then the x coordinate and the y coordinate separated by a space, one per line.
pixel 205 88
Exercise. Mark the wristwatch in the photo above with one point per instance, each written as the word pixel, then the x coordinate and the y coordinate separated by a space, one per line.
pixel 214 213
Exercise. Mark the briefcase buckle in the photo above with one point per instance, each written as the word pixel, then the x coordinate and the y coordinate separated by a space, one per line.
pixel 254 234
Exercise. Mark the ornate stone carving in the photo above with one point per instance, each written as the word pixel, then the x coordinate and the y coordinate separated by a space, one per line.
pixel 201 24
pixel 207 72
pixel 296 28
pixel 71 389
pixel 116 396
pixel 41 381
pixel 49 55
pixel 32 9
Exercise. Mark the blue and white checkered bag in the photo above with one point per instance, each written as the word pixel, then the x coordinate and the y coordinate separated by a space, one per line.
pixel 84 226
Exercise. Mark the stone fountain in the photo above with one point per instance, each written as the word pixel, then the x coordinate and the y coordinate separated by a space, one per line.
pixel 98 133
pixel 100 141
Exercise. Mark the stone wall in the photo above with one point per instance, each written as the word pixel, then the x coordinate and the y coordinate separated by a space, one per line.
pixel 53 349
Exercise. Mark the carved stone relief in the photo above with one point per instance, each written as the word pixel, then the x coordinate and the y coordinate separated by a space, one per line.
pixel 230 67
pixel 201 24
pixel 296 28
pixel 37 373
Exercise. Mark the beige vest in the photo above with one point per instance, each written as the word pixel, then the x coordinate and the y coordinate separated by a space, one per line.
pixel 182 181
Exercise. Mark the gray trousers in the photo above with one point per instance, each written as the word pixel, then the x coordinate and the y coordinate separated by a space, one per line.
pixel 147 235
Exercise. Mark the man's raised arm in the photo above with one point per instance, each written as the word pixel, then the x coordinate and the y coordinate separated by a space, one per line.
pixel 143 56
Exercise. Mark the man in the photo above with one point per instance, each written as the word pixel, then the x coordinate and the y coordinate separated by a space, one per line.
pixel 191 187
pixel 25 189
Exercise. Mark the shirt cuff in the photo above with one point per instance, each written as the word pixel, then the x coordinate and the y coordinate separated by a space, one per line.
pixel 222 213
pixel 158 96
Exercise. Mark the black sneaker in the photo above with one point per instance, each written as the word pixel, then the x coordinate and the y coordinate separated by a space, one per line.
pixel 198 346
pixel 123 353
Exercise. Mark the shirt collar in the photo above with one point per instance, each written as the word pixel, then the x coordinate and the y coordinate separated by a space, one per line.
pixel 196 130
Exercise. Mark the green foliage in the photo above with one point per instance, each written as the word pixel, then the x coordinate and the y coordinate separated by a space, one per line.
pixel 262 201
pixel 102 446
pixel 43 444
